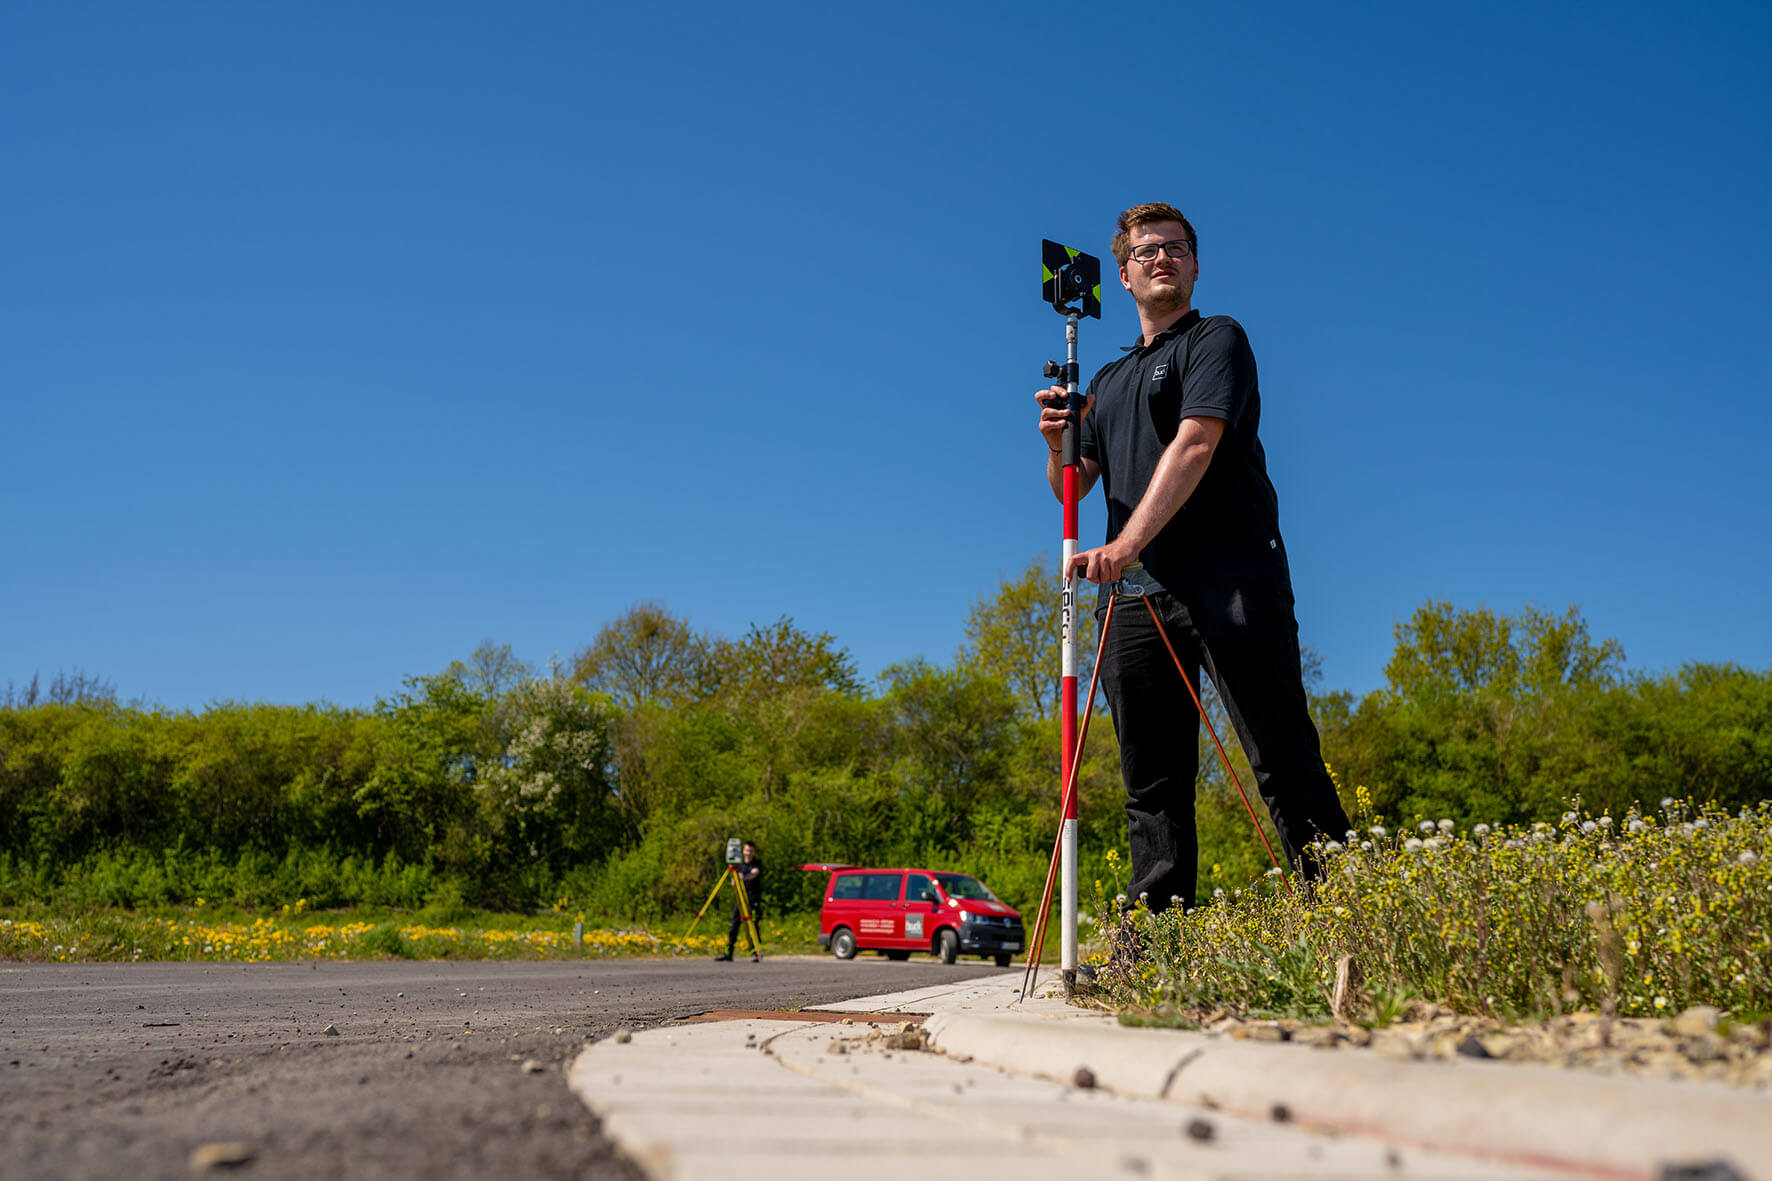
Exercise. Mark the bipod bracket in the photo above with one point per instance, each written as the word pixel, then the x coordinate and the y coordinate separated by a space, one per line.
pixel 1069 276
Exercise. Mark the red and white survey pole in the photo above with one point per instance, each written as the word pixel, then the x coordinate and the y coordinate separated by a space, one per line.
pixel 1067 700
pixel 1069 275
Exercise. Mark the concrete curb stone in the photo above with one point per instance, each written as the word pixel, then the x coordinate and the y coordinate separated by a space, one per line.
pixel 1527 1114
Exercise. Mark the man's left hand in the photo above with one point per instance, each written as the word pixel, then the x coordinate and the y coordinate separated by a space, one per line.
pixel 1104 563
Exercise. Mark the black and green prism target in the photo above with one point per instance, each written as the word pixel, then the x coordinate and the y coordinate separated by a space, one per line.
pixel 1068 275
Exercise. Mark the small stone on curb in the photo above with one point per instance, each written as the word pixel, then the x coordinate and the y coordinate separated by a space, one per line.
pixel 1084 1078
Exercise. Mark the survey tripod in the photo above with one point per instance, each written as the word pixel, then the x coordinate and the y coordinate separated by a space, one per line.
pixel 748 921
pixel 1071 283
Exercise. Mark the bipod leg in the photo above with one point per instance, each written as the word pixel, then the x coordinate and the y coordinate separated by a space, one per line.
pixel 1213 730
pixel 1070 793
pixel 712 894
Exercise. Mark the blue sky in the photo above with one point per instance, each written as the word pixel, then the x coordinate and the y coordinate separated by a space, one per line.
pixel 335 338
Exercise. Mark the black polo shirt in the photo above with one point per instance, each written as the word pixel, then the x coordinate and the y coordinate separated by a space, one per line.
pixel 1230 527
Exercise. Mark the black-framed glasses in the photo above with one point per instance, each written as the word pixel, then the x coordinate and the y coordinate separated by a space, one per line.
pixel 1175 248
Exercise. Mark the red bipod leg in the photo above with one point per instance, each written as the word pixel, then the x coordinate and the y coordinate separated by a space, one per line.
pixel 1064 809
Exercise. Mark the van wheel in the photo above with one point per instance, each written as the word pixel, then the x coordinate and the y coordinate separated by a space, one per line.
pixel 947 945
pixel 843 943
pixel 1003 959
pixel 898 954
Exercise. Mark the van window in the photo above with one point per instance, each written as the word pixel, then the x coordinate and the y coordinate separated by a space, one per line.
pixel 919 888
pixel 882 887
pixel 958 885
pixel 866 887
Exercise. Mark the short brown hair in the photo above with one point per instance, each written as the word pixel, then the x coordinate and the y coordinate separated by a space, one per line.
pixel 1141 214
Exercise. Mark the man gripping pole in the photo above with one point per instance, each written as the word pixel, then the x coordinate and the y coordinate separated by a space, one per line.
pixel 1170 430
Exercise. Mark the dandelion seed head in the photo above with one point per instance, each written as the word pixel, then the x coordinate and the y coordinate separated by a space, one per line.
pixel 1412 845
pixel 1366 846
pixel 1378 831
pixel 1481 830
pixel 1748 857
pixel 1635 826
pixel 1589 826
pixel 1425 826
pixel 1446 826
pixel 1568 818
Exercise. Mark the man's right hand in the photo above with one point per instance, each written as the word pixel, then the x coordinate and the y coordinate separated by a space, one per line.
pixel 1053 416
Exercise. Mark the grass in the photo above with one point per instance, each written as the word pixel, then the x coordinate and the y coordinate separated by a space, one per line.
pixel 1642 916
pixel 228 934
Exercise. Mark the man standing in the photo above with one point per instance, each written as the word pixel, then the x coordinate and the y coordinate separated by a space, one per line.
pixel 750 880
pixel 1170 430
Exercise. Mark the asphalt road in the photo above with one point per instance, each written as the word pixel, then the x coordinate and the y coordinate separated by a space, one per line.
pixel 394 1069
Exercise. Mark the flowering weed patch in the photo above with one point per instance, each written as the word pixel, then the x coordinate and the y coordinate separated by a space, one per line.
pixel 1641 916
pixel 123 935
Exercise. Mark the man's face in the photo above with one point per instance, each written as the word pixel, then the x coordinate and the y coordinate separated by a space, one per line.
pixel 1163 284
pixel 750 852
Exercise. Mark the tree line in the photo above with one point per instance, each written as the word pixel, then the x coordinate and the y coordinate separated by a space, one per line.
pixel 609 783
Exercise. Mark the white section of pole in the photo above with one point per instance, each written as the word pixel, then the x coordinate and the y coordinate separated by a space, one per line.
pixel 1067 907
pixel 1068 618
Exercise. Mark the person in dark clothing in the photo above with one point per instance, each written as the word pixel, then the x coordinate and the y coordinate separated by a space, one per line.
pixel 750 878
pixel 1170 431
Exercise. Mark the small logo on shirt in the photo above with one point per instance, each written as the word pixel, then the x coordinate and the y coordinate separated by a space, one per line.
pixel 1160 372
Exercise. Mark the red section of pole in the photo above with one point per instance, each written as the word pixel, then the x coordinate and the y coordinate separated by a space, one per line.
pixel 1070 502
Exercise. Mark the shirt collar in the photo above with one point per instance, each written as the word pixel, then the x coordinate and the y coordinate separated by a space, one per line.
pixel 1180 326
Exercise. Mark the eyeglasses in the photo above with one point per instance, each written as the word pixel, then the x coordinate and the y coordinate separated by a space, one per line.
pixel 1177 248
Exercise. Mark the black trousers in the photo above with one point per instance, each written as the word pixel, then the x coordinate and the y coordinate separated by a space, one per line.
pixel 1247 637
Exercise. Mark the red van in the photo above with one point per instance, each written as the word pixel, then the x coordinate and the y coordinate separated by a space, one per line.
pixel 898 911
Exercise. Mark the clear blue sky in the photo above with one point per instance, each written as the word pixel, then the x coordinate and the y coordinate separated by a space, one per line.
pixel 337 338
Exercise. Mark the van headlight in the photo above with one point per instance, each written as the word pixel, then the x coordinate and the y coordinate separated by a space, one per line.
pixel 967 916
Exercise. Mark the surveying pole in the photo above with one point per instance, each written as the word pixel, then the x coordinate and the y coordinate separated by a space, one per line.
pixel 1071 283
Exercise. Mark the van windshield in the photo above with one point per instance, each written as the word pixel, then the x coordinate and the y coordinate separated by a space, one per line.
pixel 958 885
